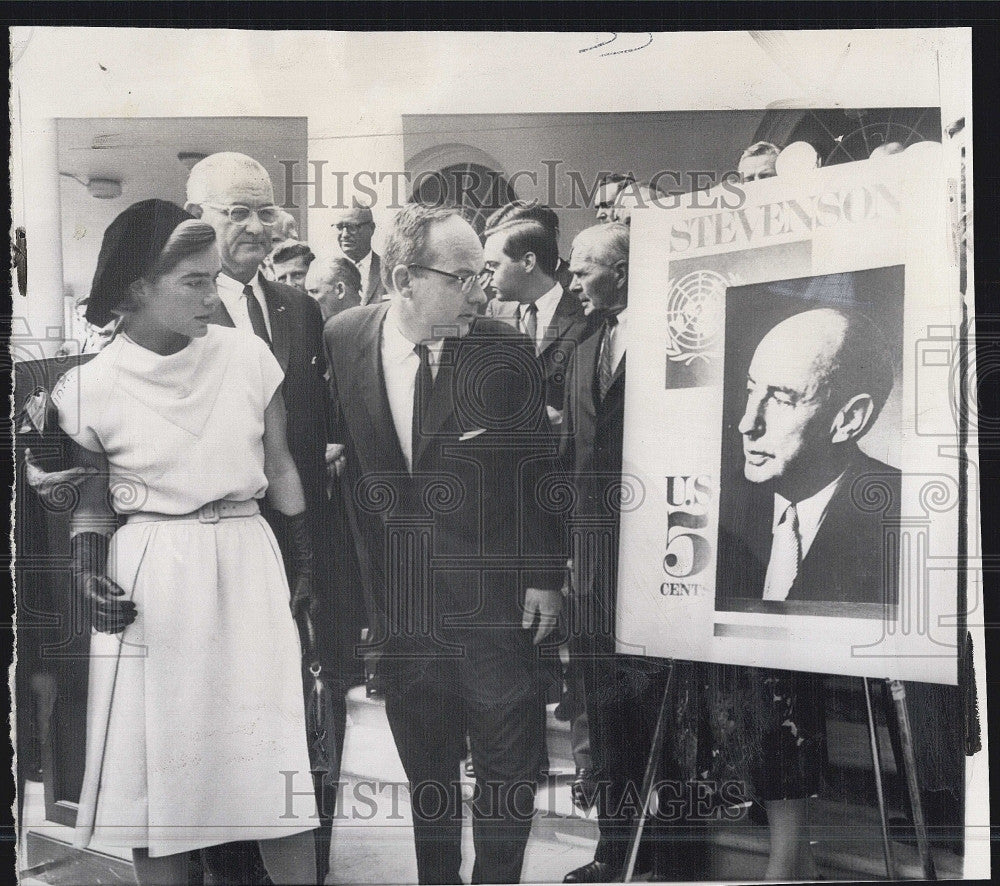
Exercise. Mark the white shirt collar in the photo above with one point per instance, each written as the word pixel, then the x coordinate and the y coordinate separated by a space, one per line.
pixel 232 296
pixel 546 306
pixel 398 348
pixel 364 265
pixel 811 511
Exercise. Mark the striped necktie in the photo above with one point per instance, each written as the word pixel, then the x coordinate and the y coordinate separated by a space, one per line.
pixel 606 357
pixel 528 317
pixel 786 556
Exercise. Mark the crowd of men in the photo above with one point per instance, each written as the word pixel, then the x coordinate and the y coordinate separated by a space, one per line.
pixel 436 395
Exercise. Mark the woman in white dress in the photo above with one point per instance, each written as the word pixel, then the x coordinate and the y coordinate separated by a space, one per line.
pixel 195 722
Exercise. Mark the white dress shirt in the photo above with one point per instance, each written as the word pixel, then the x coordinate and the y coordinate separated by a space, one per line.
pixel 399 369
pixel 232 296
pixel 546 307
pixel 811 513
pixel 365 266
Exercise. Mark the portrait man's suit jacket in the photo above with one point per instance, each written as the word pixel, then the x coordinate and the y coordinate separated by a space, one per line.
pixel 449 548
pixel 592 449
pixel 568 328
pixel 373 289
pixel 846 561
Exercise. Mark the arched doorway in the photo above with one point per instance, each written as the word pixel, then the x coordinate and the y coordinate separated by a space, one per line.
pixel 475 188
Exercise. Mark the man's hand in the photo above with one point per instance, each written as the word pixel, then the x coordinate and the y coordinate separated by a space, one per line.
pixel 53 487
pixel 547 604
pixel 336 459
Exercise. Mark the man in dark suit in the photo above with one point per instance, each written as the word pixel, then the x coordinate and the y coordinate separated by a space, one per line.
pixel 623 692
pixel 446 452
pixel 807 520
pixel 355 227
pixel 528 210
pixel 521 258
pixel 233 193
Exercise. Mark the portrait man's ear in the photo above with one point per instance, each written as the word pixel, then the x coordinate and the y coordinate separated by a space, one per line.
pixel 853 419
pixel 193 209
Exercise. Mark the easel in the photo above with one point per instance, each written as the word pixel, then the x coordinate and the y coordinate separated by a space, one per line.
pixel 908 764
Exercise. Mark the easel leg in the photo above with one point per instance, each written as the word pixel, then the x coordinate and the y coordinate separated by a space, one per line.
pixel 910 768
pixel 890 862
pixel 649 779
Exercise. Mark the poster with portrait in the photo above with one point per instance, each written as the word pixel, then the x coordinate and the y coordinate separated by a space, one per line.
pixel 791 448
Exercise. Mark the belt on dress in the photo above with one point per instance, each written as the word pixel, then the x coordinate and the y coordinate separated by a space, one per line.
pixel 212 512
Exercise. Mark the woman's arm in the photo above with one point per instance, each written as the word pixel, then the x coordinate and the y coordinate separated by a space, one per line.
pixel 284 488
pixel 91 527
pixel 284 491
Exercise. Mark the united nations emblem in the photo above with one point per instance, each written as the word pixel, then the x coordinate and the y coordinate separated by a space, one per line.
pixel 694 315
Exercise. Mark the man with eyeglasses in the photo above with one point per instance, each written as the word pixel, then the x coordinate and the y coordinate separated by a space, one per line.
pixel 355 227
pixel 233 193
pixel 445 458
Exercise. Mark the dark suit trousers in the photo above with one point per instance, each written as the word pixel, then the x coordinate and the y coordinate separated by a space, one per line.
pixel 624 695
pixel 429 715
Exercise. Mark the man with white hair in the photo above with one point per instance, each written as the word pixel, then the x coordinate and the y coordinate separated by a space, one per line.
pixel 623 692
pixel 335 283
pixel 285 228
pixel 233 193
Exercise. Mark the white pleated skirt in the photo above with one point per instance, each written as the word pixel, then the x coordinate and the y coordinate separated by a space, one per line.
pixel 195 714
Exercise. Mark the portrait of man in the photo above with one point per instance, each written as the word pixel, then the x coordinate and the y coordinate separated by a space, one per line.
pixel 804 511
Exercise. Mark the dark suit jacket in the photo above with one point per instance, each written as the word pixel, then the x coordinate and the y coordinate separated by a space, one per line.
pixel 447 550
pixel 592 447
pixel 846 561
pixel 373 289
pixel 568 328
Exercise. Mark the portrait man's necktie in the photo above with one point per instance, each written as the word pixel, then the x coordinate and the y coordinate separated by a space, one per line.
pixel 422 386
pixel 605 357
pixel 786 556
pixel 528 315
pixel 256 315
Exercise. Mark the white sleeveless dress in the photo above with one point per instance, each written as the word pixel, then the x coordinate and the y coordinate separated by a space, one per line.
pixel 195 717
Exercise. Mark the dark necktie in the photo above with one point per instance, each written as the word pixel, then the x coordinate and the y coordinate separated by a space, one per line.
pixel 256 315
pixel 605 357
pixel 529 321
pixel 422 387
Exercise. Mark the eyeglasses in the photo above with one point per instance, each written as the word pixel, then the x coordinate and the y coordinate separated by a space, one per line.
pixel 351 228
pixel 481 277
pixel 240 214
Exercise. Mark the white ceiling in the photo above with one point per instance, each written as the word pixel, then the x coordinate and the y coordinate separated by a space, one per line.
pixel 141 153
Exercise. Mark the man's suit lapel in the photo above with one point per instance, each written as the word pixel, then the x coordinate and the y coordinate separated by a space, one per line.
pixel 585 418
pixel 567 312
pixel 368 388
pixel 278 314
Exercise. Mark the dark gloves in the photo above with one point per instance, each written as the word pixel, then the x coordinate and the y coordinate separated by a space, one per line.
pixel 103 601
pixel 300 551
